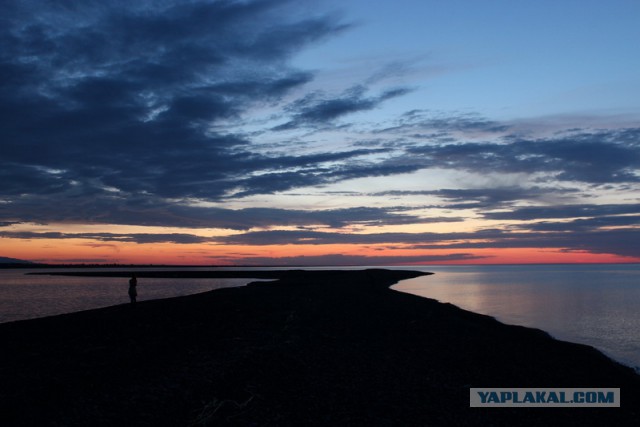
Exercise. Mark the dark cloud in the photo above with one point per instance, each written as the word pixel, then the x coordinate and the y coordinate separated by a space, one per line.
pixel 587 224
pixel 493 198
pixel 622 242
pixel 563 211
pixel 98 96
pixel 417 122
pixel 576 236
pixel 288 172
pixel 7 223
pixel 312 237
pixel 348 260
pixel 316 109
pixel 596 157
pixel 107 107
pixel 140 211
pixel 616 235
pixel 486 198
pixel 593 238
pixel 141 238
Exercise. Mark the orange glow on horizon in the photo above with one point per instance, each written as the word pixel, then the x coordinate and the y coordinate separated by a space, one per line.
pixel 72 251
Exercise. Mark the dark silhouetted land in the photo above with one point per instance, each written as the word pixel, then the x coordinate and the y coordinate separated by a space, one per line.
pixel 330 348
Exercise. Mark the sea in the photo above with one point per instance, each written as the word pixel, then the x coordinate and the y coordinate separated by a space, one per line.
pixel 594 304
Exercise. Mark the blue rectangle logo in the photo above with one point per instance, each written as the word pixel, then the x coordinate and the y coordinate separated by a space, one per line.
pixel 544 397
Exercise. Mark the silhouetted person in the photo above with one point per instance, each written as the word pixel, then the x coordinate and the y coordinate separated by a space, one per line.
pixel 133 293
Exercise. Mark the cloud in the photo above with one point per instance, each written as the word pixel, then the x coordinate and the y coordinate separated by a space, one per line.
pixel 486 198
pixel 124 113
pixel 109 107
pixel 347 260
pixel 493 197
pixel 141 238
pixel 286 172
pixel 564 211
pixel 607 156
pixel 622 242
pixel 594 238
pixel 312 237
pixel 588 224
pixel 99 96
pixel 316 109
pixel 418 122
pixel 567 237
pixel 609 234
pixel 139 211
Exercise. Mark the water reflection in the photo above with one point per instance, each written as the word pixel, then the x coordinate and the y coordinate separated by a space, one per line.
pixel 594 304
pixel 31 296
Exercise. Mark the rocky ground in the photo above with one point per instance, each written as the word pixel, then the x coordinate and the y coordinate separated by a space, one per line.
pixel 332 348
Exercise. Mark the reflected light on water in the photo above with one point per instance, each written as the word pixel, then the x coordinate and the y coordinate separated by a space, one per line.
pixel 590 304
pixel 31 296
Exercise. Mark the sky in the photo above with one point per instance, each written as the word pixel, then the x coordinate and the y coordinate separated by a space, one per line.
pixel 281 132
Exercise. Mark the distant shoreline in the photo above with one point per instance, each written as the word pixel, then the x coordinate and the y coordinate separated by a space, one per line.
pixel 322 347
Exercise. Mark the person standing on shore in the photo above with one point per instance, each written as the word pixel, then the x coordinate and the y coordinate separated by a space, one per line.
pixel 133 293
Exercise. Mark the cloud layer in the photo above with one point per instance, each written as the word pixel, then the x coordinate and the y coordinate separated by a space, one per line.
pixel 120 97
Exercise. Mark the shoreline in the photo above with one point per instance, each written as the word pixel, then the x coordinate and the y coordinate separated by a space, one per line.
pixel 322 347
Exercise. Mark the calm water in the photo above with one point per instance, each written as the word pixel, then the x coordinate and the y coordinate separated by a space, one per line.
pixel 598 305
pixel 29 296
